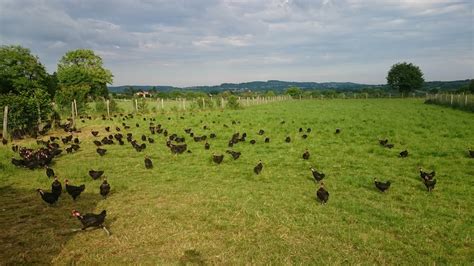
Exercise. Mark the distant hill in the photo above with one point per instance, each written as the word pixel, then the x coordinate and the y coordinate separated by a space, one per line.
pixel 279 86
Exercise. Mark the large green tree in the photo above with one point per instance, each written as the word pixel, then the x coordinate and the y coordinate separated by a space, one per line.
pixel 405 77
pixel 25 87
pixel 82 68
pixel 20 71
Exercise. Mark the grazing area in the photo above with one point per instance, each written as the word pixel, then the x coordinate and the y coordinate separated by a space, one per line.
pixel 223 200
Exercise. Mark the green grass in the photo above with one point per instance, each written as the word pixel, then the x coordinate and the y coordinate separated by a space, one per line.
pixel 189 210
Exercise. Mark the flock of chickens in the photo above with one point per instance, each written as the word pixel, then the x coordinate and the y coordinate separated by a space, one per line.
pixel 177 145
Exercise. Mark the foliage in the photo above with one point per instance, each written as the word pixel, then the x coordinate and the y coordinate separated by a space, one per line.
pixel 82 68
pixel 101 106
pixel 405 77
pixel 471 86
pixel 20 71
pixel 26 109
pixel 233 102
pixel 293 91
pixel 66 95
pixel 142 105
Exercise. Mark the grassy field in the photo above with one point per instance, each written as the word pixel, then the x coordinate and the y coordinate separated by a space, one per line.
pixel 190 210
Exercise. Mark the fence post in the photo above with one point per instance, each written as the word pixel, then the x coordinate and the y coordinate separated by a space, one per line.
pixel 162 104
pixel 451 99
pixel 5 122
pixel 465 100
pixel 136 105
pixel 366 95
pixel 222 102
pixel 184 103
pixel 203 103
pixel 108 108
pixel 75 107
pixel 72 113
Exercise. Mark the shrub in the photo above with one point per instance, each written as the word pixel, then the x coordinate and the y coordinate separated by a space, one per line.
pixel 233 103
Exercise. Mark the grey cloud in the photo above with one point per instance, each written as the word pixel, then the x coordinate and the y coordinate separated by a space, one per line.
pixel 209 41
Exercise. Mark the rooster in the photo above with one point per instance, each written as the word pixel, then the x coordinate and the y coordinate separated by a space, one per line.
pixel 218 158
pixel 322 194
pixel 306 155
pixel 74 191
pixel 48 197
pixel 56 187
pixel 95 174
pixel 317 175
pixel 104 188
pixel 258 168
pixel 91 220
pixel 381 185
pixel 148 163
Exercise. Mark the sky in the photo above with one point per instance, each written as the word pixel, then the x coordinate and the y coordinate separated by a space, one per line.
pixel 208 42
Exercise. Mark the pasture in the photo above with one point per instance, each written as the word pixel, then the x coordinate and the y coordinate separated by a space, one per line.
pixel 187 209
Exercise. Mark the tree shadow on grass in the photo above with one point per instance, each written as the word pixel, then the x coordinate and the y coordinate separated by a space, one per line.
pixel 31 231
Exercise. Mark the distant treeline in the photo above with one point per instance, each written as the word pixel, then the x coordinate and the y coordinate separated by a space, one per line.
pixel 275 87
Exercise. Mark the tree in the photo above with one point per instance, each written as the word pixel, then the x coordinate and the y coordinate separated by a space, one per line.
pixel 24 86
pixel 81 68
pixel 471 86
pixel 293 91
pixel 405 77
pixel 20 71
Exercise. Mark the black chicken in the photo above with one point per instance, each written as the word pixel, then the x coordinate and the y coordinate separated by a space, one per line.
pixel 217 158
pixel 322 194
pixel 107 129
pixel 430 184
pixel 104 188
pixel 253 141
pixel 148 163
pixel 383 142
pixel 261 132
pixel 207 146
pixel 258 168
pixel 56 187
pixel 49 171
pixel 288 139
pixel 97 143
pixel 91 220
pixel 95 174
pixel 404 154
pixel 300 130
pixel 304 136
pixel 306 155
pixel 94 133
pixel 234 154
pixel 471 153
pixel 74 191
pixel 338 130
pixel 381 185
pixel 318 176
pixel 267 140
pixel 101 152
pixel 48 197
pixel 389 145
pixel 427 176
pixel 308 130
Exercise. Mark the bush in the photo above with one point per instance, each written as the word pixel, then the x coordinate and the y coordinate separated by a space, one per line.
pixel 233 103
pixel 101 106
pixel 142 106
pixel 26 109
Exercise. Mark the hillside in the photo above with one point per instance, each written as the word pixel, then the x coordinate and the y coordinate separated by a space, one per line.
pixel 280 86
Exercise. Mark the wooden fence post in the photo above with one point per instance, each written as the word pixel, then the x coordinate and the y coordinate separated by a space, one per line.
pixel 108 107
pixel 136 105
pixel 465 100
pixel 184 103
pixel 222 102
pixel 5 122
pixel 75 107
pixel 162 104
pixel 73 116
pixel 451 99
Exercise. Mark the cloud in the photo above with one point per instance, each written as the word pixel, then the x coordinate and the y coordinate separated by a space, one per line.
pixel 210 41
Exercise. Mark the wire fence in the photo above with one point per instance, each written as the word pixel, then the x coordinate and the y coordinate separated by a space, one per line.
pixel 457 101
